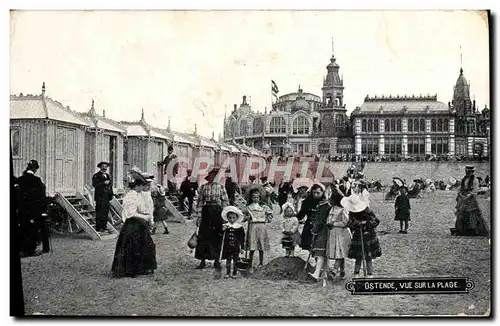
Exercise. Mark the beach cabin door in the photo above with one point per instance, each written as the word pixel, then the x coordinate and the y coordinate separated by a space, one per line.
pixel 65 160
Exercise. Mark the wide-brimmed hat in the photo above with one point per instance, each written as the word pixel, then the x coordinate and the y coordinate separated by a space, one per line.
pixel 137 175
pixel 470 168
pixel 319 184
pixel 103 163
pixel 302 183
pixel 211 171
pixel 251 188
pixel 354 204
pixel 231 209
pixel 148 176
pixel 288 205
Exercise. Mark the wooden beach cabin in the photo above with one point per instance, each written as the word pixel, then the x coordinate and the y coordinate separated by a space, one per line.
pixel 44 130
pixel 145 147
pixel 104 142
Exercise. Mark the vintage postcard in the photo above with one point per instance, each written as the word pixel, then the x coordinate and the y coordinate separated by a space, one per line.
pixel 250 163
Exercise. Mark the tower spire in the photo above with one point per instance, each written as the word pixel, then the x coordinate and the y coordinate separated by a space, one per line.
pixel 332 46
pixel 461 69
pixel 92 109
pixel 168 126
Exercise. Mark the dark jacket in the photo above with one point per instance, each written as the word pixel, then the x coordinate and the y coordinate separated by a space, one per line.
pixel 31 196
pixel 166 162
pixel 231 189
pixel 102 191
pixel 188 188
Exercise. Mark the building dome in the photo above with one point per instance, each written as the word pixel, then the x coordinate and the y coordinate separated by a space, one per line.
pixel 300 103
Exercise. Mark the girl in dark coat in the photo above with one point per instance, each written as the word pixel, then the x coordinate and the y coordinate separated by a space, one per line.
pixel 402 207
pixel 160 213
pixel 362 222
pixel 315 232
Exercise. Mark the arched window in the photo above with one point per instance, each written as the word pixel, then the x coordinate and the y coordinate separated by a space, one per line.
pixel 440 125
pixel 370 125
pixel 300 126
pixel 415 125
pixel 422 125
pixel 393 125
pixel 257 125
pixel 375 126
pixel 398 125
pixel 277 125
pixel 446 125
pixel 337 101
pixel 363 125
pixel 410 125
pixel 243 128
pixel 433 125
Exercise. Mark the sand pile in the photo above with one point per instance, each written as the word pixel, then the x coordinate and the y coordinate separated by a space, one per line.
pixel 283 268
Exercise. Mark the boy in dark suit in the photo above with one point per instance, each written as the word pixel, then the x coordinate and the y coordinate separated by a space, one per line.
pixel 103 193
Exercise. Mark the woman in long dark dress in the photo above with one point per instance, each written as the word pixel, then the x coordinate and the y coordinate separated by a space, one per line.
pixel 212 198
pixel 470 221
pixel 135 252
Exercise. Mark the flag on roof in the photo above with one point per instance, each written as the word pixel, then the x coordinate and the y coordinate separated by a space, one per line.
pixel 274 88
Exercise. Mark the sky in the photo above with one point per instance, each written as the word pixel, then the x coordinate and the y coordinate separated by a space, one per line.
pixel 192 66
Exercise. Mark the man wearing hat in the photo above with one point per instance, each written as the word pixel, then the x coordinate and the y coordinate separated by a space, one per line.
pixel 231 187
pixel 32 205
pixel 170 159
pixel 103 193
pixel 188 190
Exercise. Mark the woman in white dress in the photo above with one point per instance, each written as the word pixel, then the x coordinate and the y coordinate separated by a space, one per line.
pixel 135 252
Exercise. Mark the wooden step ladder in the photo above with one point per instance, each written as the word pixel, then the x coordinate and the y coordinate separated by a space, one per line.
pixel 116 208
pixel 83 213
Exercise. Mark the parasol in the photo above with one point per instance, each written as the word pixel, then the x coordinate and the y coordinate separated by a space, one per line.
pixel 302 182
pixel 137 174
pixel 251 188
pixel 398 182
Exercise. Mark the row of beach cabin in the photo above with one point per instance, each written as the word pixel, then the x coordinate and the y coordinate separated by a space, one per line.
pixel 68 145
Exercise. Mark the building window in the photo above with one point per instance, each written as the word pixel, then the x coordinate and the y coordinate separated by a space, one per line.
pixel 15 141
pixel 363 125
pixel 446 125
pixel 257 126
pixel 460 147
pixel 392 146
pixel 387 125
pixel 422 125
pixel 324 148
pixel 416 146
pixel 370 125
pixel 369 146
pixel 410 125
pixel 243 128
pixel 440 125
pixel 439 145
pixel 398 125
pixel 277 125
pixel 375 126
pixel 393 125
pixel 300 126
pixel 433 125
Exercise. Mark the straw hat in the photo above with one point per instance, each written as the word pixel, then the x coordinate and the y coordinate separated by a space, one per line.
pixel 354 204
pixel 103 163
pixel 469 168
pixel 231 209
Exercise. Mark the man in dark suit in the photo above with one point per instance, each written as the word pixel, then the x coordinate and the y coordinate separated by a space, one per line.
pixel 231 188
pixel 32 206
pixel 188 190
pixel 171 158
pixel 103 193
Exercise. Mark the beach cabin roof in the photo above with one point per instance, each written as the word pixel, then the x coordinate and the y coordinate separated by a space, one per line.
pixel 42 107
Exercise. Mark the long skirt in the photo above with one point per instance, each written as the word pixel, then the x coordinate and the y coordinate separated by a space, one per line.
pixel 470 221
pixel 210 233
pixel 319 243
pixel 339 241
pixel 371 245
pixel 135 252
pixel 307 236
pixel 258 239
pixel 30 235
